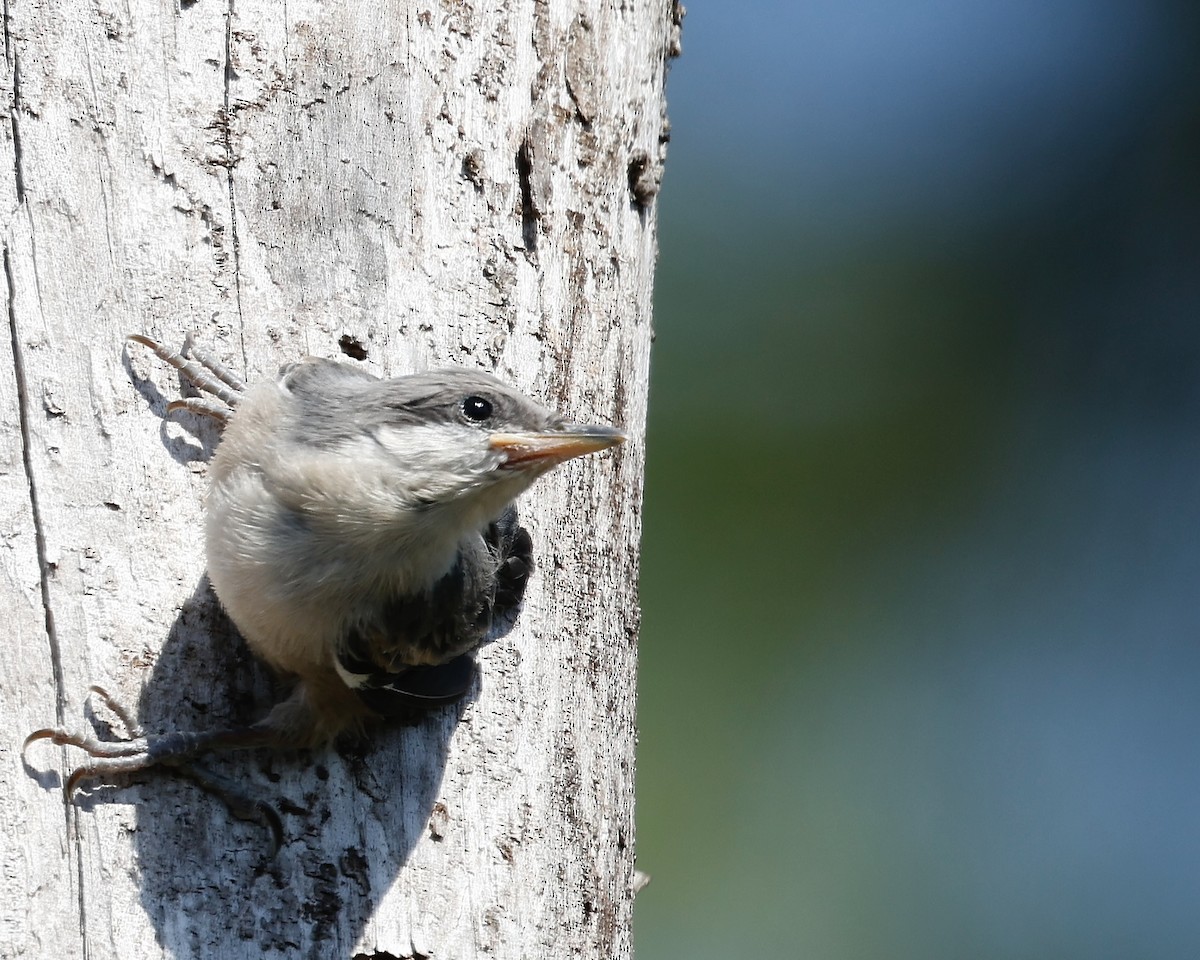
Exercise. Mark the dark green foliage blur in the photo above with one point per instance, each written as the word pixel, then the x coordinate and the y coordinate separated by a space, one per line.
pixel 920 659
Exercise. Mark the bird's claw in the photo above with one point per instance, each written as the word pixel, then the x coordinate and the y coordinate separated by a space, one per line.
pixel 132 727
pixel 137 752
pixel 240 804
pixel 112 756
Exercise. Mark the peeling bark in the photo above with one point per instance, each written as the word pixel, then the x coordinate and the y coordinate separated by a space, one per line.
pixel 402 185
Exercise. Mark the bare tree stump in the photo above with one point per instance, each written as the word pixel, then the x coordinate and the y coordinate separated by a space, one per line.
pixel 412 183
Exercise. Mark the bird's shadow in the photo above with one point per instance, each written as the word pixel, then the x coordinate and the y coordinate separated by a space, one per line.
pixel 350 816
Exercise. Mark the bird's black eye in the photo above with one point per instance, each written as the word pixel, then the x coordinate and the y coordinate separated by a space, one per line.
pixel 476 409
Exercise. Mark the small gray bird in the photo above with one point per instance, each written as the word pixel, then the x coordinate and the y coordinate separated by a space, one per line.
pixel 361 535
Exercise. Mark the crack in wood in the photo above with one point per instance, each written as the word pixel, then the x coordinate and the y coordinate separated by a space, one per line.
pixel 39 530
pixel 230 162
pixel 44 566
pixel 13 121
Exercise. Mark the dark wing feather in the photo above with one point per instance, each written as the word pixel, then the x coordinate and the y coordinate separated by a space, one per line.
pixel 379 656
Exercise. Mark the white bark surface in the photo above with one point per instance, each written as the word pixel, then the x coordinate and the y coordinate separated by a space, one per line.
pixel 437 182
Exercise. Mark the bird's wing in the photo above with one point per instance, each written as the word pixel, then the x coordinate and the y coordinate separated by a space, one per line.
pixel 415 650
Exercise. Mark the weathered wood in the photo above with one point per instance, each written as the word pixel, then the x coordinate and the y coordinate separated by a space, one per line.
pixel 425 182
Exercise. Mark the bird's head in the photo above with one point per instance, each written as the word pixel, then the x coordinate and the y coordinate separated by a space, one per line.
pixel 457 444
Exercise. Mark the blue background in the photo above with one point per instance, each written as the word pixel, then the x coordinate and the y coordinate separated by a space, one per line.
pixel 920 660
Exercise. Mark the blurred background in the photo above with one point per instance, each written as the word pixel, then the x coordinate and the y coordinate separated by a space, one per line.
pixel 920 660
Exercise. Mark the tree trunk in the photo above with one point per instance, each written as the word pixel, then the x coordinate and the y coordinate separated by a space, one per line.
pixel 413 183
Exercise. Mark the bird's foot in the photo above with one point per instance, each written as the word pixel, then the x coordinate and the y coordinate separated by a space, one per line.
pixel 134 752
pixel 206 373
pixel 237 801
pixel 516 564
pixel 109 757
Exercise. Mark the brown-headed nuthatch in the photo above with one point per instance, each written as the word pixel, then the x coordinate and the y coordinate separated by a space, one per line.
pixel 361 535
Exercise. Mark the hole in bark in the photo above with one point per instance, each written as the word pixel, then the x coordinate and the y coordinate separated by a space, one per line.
pixel 387 956
pixel 643 180
pixel 473 169
pixel 352 347
pixel 528 209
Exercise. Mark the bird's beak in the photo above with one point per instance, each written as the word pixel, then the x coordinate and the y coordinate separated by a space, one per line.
pixel 554 447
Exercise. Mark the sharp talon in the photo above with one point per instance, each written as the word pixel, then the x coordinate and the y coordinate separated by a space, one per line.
pixel 77 775
pixel 44 734
pixel 270 816
pixel 106 767
pixel 238 803
pixel 132 728
pixel 144 340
